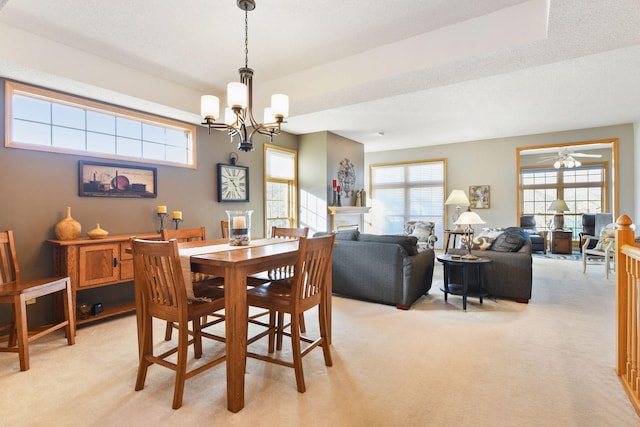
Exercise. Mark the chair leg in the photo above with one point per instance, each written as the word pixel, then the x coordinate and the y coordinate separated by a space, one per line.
pixel 272 330
pixel 323 321
pixel 297 353
pixel 22 331
pixel 68 311
pixel 303 326
pixel 168 331
pixel 181 365
pixel 13 336
pixel 197 338
pixel 146 349
pixel 280 330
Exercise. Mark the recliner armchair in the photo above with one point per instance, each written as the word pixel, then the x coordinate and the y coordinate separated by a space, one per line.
pixel 538 238
pixel 424 231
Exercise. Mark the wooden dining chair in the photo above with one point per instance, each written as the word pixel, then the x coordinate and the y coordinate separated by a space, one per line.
pixel 15 291
pixel 204 285
pixel 160 283
pixel 224 226
pixel 284 272
pixel 305 290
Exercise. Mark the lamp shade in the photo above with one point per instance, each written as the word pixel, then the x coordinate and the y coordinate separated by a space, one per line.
pixel 280 105
pixel 458 198
pixel 558 206
pixel 470 218
pixel 210 106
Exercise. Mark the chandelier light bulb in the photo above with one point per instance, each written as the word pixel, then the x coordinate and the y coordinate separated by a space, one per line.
pixel 209 107
pixel 268 116
pixel 237 95
pixel 280 105
pixel 229 116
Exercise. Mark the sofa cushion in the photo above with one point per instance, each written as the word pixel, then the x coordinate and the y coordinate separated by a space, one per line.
pixel 409 243
pixel 511 240
pixel 341 234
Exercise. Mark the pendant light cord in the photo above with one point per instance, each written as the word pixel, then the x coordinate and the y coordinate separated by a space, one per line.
pixel 246 39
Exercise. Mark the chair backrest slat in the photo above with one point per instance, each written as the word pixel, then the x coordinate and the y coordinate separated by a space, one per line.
pixel 312 266
pixel 159 275
pixel 289 233
pixel 9 269
pixel 185 235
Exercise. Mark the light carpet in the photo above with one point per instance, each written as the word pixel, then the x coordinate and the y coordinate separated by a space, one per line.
pixel 547 363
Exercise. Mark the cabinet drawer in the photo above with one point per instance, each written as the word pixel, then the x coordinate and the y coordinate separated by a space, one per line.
pixel 97 264
pixel 123 250
pixel 126 269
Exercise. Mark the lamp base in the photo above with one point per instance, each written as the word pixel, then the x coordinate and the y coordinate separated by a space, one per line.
pixel 558 221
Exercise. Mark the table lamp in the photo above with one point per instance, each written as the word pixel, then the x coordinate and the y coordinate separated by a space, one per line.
pixel 458 198
pixel 469 218
pixel 558 219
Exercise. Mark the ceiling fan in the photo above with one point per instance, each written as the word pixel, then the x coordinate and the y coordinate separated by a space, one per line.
pixel 567 159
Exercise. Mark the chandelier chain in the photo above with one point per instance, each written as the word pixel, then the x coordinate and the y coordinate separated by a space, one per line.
pixel 246 39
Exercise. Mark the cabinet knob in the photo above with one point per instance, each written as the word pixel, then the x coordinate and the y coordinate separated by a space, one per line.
pixel 115 262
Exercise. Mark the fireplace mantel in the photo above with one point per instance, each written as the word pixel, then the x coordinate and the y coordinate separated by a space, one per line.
pixel 347 216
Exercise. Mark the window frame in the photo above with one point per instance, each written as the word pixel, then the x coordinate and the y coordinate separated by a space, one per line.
pixel 63 99
pixel 440 222
pixel 292 184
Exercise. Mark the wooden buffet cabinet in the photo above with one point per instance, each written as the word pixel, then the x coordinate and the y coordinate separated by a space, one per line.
pixel 93 263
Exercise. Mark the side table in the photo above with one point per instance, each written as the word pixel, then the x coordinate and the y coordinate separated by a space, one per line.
pixel 561 242
pixel 467 266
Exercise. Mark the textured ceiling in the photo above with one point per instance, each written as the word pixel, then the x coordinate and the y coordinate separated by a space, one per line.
pixel 422 73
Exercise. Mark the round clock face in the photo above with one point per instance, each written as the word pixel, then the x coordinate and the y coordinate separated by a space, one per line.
pixel 233 182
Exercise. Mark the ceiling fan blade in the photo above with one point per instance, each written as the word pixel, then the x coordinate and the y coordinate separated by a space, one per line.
pixel 585 155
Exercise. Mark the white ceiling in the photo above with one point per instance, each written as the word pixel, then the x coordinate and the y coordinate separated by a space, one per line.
pixel 422 72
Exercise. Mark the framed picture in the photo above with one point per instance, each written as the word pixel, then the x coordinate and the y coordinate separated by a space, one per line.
pixel 115 180
pixel 233 183
pixel 479 196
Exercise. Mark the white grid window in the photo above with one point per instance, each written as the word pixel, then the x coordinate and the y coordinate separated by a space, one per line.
pixel 407 192
pixel 44 120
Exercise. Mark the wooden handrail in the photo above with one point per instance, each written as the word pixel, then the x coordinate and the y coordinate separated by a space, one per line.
pixel 627 261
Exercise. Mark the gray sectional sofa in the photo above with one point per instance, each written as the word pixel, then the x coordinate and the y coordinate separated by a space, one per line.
pixel 381 268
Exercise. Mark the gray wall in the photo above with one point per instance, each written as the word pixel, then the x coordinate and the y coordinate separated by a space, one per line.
pixel 319 157
pixel 35 188
pixel 493 162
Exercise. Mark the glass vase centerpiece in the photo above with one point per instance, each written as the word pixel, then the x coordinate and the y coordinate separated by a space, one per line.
pixel 239 227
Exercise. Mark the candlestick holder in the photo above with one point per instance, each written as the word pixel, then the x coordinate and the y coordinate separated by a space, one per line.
pixel 162 216
pixel 239 227
pixel 335 197
pixel 177 221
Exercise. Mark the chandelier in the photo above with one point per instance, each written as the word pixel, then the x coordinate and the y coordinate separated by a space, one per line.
pixel 239 111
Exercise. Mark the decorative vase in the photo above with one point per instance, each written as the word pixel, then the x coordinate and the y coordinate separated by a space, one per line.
pixel 68 228
pixel 97 233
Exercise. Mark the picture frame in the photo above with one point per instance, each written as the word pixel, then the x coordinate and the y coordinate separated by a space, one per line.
pixel 96 179
pixel 233 183
pixel 479 196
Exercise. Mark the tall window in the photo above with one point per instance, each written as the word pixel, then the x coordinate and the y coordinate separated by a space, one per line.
pixel 407 192
pixel 584 189
pixel 280 179
pixel 44 120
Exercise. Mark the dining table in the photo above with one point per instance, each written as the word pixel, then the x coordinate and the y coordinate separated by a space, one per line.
pixel 234 264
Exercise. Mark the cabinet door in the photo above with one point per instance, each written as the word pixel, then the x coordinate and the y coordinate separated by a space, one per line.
pixel 98 264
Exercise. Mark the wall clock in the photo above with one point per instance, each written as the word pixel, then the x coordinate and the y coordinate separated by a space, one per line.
pixel 233 183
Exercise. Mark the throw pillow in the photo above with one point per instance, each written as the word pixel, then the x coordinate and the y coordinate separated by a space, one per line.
pixel 607 234
pixel 423 230
pixel 485 238
pixel 511 240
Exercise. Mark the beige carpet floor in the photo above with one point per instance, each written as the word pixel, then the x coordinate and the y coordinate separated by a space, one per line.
pixel 547 363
